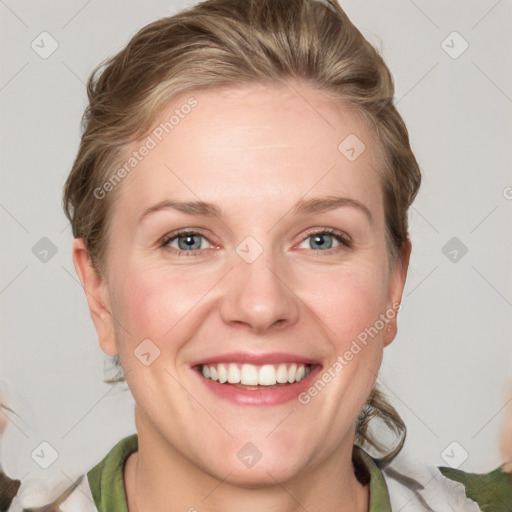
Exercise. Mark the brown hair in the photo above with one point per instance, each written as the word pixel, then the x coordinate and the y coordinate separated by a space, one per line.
pixel 222 43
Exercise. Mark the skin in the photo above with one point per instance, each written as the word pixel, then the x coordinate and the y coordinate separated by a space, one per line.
pixel 254 151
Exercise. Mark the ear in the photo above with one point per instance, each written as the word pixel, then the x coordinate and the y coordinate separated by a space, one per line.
pixel 96 293
pixel 396 287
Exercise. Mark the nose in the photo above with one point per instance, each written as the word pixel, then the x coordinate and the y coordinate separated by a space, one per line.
pixel 258 298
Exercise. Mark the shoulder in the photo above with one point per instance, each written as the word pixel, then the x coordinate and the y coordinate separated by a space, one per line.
pixel 76 497
pixel 106 478
pixel 414 485
pixel 492 491
pixel 101 489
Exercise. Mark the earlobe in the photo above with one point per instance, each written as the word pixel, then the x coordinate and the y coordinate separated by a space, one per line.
pixel 96 294
pixel 396 288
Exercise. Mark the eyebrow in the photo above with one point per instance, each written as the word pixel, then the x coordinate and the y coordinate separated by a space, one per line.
pixel 206 209
pixel 328 203
pixel 190 207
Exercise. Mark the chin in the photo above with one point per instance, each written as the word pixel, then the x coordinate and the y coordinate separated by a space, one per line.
pixel 263 474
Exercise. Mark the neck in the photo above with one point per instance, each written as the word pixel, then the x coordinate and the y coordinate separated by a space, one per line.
pixel 159 478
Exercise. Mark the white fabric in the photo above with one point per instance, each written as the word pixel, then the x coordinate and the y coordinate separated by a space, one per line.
pixel 431 491
pixel 435 492
pixel 80 500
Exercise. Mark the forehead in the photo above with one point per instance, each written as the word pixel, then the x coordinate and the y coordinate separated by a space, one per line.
pixel 252 143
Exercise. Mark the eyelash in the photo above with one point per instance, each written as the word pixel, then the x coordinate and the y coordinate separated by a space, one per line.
pixel 344 240
pixel 177 234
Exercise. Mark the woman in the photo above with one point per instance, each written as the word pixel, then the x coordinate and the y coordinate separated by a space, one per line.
pixel 239 205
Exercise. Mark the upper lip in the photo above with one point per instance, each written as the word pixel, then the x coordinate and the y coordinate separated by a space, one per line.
pixel 256 359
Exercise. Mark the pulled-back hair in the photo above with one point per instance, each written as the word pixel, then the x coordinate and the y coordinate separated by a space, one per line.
pixel 225 43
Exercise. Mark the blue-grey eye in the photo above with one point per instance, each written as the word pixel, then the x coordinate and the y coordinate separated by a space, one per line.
pixel 322 241
pixel 187 242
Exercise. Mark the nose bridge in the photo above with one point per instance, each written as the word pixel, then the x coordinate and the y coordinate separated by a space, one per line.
pixel 256 293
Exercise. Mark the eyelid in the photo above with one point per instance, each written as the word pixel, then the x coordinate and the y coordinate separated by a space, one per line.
pixel 183 232
pixel 344 239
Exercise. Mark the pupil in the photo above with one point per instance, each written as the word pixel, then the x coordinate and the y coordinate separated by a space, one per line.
pixel 321 241
pixel 188 242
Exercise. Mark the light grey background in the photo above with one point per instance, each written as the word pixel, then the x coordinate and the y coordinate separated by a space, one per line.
pixel 448 368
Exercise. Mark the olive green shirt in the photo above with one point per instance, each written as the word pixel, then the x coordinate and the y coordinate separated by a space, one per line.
pixel 492 491
pixel 102 488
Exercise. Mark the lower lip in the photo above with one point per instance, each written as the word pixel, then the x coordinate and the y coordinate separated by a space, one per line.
pixel 261 396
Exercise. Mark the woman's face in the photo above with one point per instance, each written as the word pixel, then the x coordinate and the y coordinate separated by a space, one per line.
pixel 283 263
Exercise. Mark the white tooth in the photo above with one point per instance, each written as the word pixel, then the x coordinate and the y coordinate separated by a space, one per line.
pixel 291 373
pixel 267 375
pixel 282 374
pixel 213 373
pixel 300 373
pixel 223 373
pixel 249 375
pixel 308 370
pixel 233 374
pixel 206 371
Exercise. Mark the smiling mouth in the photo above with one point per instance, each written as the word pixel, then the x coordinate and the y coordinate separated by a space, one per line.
pixel 250 376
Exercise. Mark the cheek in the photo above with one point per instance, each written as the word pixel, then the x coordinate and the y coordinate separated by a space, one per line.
pixel 349 301
pixel 156 304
